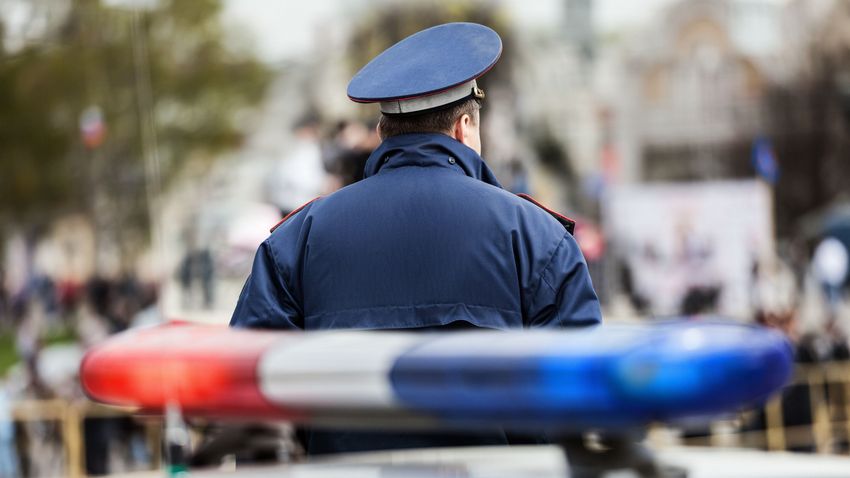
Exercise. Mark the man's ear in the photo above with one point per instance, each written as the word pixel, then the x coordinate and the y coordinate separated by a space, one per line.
pixel 462 128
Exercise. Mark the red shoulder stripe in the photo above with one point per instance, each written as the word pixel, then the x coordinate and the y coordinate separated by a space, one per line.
pixel 568 223
pixel 292 214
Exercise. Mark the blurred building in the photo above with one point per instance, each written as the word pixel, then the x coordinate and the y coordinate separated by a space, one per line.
pixel 554 87
pixel 687 98
pixel 802 22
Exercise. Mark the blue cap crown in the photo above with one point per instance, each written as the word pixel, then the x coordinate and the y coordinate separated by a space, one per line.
pixel 429 69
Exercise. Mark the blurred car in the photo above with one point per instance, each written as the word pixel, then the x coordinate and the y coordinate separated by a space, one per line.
pixel 615 380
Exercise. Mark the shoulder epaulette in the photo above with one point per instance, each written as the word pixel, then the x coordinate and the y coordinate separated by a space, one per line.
pixel 568 223
pixel 296 211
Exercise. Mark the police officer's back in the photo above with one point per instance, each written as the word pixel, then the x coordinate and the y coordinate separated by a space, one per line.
pixel 428 239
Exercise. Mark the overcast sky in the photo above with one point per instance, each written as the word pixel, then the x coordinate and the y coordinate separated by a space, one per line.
pixel 286 29
pixel 282 29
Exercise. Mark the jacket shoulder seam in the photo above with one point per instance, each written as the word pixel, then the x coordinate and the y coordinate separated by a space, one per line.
pixel 569 224
pixel 540 277
pixel 293 213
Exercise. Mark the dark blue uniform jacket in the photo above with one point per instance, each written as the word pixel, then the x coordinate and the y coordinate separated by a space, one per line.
pixel 428 238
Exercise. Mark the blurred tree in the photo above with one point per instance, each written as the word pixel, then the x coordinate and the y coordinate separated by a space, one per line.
pixel 809 124
pixel 166 68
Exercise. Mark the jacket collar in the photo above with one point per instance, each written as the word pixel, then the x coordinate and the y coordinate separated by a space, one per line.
pixel 428 149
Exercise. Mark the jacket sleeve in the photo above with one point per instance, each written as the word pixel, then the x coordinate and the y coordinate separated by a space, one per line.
pixel 266 301
pixel 562 294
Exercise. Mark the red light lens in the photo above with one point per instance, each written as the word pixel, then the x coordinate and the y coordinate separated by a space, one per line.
pixel 200 368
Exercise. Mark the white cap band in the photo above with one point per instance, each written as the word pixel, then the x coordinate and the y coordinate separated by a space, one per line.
pixel 422 103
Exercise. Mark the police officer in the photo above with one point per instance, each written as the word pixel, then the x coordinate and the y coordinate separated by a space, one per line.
pixel 429 239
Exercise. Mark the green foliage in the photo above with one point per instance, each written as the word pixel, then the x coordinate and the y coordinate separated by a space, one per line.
pixel 60 335
pixel 100 55
pixel 8 352
pixel 32 145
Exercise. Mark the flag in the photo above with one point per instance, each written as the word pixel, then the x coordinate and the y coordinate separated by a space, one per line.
pixel 764 160
pixel 92 127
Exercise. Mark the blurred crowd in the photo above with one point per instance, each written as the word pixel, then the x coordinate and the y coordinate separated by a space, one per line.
pixel 48 324
pixel 321 160
pixel 328 155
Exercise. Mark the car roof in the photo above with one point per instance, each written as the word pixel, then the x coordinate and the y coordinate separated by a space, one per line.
pixel 539 462
pixel 742 463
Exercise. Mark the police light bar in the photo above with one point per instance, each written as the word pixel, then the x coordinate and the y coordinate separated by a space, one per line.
pixel 606 377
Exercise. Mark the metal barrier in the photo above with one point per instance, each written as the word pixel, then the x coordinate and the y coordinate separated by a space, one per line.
pixel 818 402
pixel 70 416
pixel 828 391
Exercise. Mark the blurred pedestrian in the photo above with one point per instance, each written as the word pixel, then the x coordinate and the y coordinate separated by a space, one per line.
pixel 353 143
pixel 29 343
pixel 8 451
pixel 5 312
pixel 797 411
pixel 197 272
pixel 300 176
pixel 149 313
pixel 518 182
pixel 95 324
pixel 831 268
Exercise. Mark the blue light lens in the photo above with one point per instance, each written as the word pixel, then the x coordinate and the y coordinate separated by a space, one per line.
pixel 609 376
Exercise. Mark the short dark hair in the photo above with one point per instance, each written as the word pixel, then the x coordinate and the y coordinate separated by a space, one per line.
pixel 439 121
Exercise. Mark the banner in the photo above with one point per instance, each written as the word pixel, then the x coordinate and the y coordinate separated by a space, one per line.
pixel 694 242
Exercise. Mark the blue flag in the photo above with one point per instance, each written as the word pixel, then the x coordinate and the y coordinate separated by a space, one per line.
pixel 764 160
